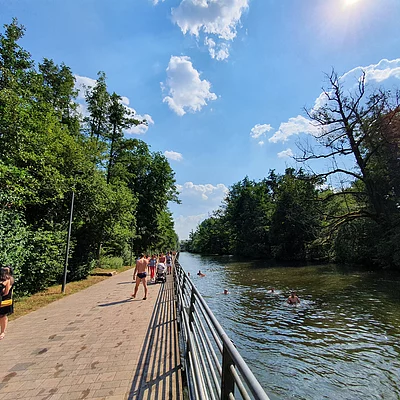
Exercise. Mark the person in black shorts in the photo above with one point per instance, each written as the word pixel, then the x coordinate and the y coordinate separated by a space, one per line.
pixel 140 273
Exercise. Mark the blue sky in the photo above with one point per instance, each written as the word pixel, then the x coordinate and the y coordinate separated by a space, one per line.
pixel 223 83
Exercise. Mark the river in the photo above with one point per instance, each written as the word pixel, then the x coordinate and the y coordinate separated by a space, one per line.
pixel 342 342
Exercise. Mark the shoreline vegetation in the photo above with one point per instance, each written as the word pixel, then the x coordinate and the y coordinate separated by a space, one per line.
pixel 348 212
pixel 66 166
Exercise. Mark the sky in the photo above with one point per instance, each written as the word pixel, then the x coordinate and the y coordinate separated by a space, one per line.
pixel 223 84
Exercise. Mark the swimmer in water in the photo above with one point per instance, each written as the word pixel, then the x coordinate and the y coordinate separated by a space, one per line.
pixel 201 274
pixel 293 300
pixel 226 291
pixel 272 290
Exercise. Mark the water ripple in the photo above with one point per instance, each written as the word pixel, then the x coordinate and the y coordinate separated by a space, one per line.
pixel 343 342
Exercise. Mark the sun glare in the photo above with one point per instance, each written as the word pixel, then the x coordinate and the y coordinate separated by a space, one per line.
pixel 348 3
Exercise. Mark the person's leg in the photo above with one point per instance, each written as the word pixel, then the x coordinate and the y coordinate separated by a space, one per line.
pixel 136 286
pixel 3 325
pixel 144 280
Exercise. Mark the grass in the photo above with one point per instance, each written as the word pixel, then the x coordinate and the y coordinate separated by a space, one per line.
pixel 27 304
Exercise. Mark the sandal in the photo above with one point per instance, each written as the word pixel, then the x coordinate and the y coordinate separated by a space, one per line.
pixel 2 336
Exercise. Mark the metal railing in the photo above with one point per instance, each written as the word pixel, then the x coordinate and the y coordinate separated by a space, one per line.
pixel 213 366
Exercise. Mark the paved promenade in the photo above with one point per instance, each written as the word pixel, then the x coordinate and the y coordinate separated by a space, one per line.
pixel 95 344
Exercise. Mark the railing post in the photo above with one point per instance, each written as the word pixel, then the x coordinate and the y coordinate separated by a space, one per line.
pixel 183 283
pixel 227 380
pixel 191 309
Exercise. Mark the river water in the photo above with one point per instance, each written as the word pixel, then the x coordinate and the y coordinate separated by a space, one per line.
pixel 342 342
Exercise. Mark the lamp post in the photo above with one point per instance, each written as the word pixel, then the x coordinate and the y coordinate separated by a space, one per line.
pixel 68 239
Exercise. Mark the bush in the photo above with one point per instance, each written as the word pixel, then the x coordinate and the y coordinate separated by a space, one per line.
pixel 13 239
pixel 111 262
pixel 44 264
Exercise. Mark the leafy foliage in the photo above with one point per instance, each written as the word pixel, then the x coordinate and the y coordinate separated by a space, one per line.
pixel 47 151
pixel 276 217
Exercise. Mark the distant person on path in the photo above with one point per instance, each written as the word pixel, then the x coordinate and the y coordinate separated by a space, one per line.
pixel 161 258
pixel 169 263
pixel 140 273
pixel 6 301
pixel 293 300
pixel 152 266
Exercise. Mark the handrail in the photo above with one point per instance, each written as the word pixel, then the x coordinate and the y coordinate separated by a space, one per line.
pixel 213 365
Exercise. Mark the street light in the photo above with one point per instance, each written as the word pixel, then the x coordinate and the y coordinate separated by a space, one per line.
pixel 68 239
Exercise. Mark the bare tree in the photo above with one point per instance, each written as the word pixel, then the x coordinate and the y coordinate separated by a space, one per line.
pixel 360 127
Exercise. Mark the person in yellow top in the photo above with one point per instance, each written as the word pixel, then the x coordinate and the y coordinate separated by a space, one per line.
pixel 6 301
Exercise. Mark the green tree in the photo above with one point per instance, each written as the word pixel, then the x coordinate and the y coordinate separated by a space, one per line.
pixel 248 210
pixel 150 177
pixel 98 103
pixel 45 156
pixel 120 118
pixel 295 220
pixel 59 91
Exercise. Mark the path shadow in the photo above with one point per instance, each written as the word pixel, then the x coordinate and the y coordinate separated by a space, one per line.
pixel 158 374
pixel 114 303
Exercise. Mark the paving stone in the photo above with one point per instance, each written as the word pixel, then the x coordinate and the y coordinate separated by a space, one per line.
pixel 95 344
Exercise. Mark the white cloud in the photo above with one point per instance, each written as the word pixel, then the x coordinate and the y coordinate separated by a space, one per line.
pixel 83 83
pixel 173 155
pixel 183 225
pixel 384 70
pixel 212 17
pixel 186 91
pixel 125 100
pixel 387 71
pixel 261 142
pixel 285 153
pixel 259 130
pixel 294 126
pixel 139 129
pixel 205 192
pixel 218 17
pixel 220 51
pixel 155 2
pixel 198 202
